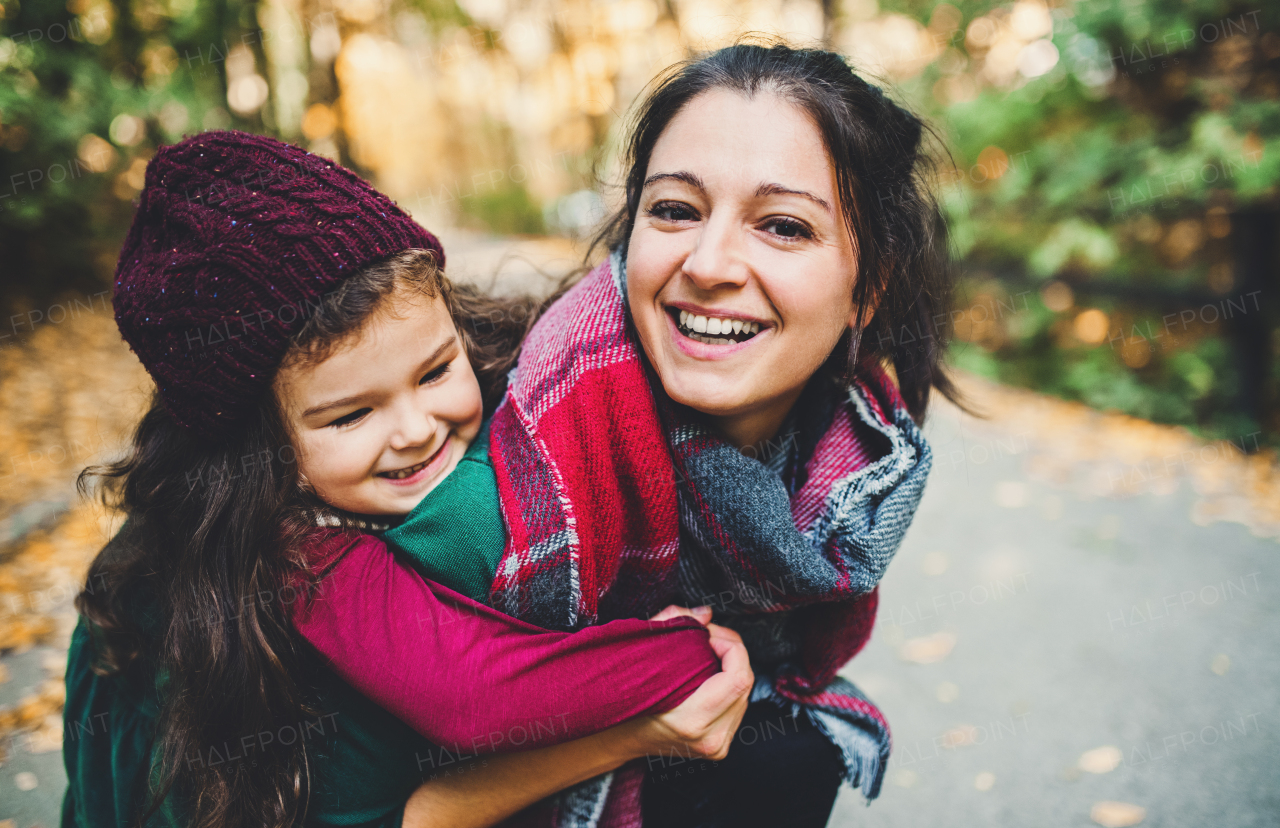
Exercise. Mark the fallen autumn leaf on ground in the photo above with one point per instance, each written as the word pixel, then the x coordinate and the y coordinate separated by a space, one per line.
pixel 1101 760
pixel 928 649
pixel 1117 814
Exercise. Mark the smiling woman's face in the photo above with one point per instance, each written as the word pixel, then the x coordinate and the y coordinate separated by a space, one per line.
pixel 740 269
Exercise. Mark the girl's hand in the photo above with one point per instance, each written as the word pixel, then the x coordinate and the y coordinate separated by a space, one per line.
pixel 701 614
pixel 703 725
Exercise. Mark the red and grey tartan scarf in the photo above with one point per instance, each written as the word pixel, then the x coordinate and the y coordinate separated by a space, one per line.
pixel 618 502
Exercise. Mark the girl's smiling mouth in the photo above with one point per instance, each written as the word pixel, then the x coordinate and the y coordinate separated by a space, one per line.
pixel 422 471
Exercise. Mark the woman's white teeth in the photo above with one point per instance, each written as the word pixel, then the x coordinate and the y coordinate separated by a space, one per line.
pixel 715 326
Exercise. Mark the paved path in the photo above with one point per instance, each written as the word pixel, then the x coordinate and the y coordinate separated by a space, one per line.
pixel 1063 590
pixel 1074 623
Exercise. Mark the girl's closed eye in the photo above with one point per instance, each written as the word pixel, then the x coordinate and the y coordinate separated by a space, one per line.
pixel 349 419
pixel 434 375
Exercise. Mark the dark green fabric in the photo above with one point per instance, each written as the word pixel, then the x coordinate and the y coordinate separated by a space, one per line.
pixel 365 763
pixel 107 727
pixel 455 535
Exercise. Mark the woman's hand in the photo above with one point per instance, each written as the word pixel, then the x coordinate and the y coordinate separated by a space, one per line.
pixel 700 614
pixel 703 725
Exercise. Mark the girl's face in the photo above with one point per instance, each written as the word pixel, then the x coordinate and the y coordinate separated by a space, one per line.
pixel 740 270
pixel 389 413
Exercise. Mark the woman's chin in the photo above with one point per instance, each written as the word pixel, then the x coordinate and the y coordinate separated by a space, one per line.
pixel 713 396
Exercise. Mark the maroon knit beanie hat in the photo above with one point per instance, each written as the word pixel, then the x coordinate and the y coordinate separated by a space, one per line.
pixel 236 240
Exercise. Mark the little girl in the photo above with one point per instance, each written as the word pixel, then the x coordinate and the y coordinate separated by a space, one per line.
pixel 308 370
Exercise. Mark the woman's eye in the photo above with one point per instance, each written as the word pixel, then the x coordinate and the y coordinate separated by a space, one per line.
pixel 348 419
pixel 788 228
pixel 672 211
pixel 434 375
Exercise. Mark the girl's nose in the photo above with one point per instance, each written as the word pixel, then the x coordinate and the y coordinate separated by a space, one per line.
pixel 717 257
pixel 414 429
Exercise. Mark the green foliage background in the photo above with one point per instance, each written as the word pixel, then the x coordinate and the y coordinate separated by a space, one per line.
pixel 67 71
pixel 1100 175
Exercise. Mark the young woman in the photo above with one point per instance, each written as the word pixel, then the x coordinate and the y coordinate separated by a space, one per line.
pixel 777 250
pixel 774 188
pixel 257 278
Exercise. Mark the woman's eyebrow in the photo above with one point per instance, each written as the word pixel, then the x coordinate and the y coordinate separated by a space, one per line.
pixel 762 191
pixel 687 177
pixel 777 189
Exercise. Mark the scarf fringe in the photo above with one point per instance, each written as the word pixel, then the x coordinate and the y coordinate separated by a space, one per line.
pixel 863 739
pixel 582 805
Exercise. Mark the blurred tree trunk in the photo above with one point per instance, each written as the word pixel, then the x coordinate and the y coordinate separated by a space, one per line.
pixel 830 13
pixel 1253 238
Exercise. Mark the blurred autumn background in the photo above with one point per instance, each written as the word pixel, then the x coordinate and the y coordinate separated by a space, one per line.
pixel 1110 182
pixel 1112 193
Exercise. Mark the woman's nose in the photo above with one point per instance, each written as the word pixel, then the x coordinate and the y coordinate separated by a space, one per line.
pixel 717 257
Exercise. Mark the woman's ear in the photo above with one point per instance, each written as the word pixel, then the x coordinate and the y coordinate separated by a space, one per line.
pixel 861 315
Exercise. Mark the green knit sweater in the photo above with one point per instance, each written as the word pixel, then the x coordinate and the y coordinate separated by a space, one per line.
pixel 455 535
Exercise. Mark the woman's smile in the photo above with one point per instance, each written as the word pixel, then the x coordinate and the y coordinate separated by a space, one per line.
pixel 708 334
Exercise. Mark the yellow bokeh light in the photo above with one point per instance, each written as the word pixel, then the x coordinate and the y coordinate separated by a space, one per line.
pixel 1091 326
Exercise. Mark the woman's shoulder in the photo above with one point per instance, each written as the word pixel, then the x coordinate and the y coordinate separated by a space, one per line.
pixel 320 548
pixel 584 322
pixel 324 545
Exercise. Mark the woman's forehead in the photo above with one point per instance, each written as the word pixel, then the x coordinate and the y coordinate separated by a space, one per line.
pixel 725 137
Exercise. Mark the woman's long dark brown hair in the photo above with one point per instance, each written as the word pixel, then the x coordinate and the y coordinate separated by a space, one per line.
pixel 878 151
pixel 217 531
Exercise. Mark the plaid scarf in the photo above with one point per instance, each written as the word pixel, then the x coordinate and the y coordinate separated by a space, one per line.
pixel 619 502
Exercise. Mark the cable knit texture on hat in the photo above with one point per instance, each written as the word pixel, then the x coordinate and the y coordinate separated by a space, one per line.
pixel 236 240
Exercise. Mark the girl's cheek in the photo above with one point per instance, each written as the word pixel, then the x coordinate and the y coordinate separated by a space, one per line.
pixel 466 402
pixel 302 454
pixel 328 460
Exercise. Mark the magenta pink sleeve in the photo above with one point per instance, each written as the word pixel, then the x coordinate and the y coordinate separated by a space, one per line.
pixel 464 675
